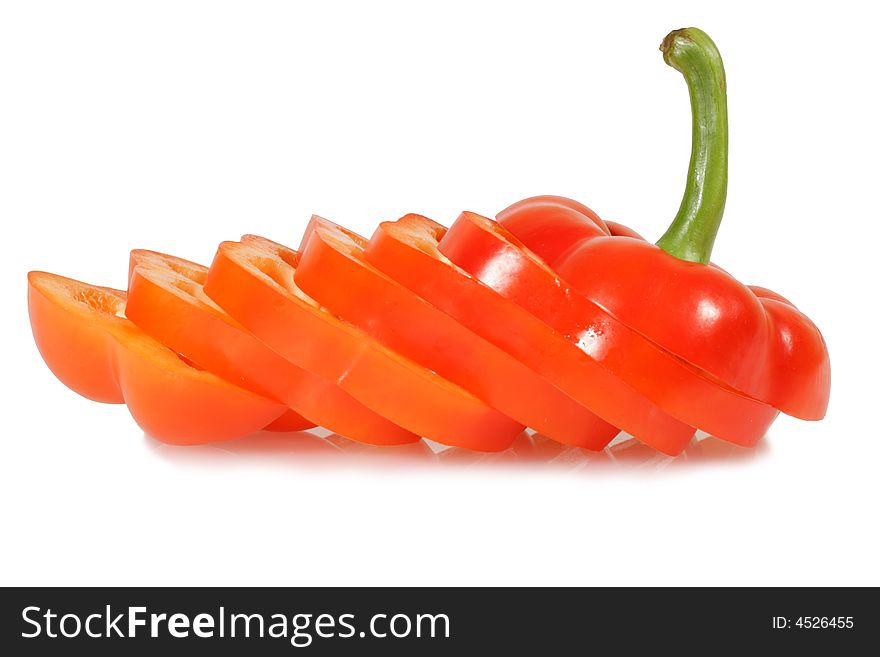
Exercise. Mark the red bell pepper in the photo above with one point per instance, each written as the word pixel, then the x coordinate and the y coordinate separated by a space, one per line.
pixel 749 339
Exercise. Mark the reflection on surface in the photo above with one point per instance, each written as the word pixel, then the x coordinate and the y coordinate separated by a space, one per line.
pixel 323 449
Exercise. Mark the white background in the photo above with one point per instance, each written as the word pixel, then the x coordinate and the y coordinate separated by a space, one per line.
pixel 175 125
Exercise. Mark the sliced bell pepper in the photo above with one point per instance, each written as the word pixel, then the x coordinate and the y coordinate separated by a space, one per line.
pixel 253 281
pixel 552 318
pixel 753 342
pixel 335 270
pixel 87 342
pixel 167 300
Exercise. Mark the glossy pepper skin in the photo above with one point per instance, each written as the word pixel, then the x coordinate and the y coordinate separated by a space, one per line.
pixel 747 338
pixel 551 225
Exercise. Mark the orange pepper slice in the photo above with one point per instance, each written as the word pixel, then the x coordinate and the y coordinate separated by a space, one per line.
pixel 88 343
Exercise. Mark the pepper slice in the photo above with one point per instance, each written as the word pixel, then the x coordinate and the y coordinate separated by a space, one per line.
pixel 87 342
pixel 167 300
pixel 253 281
pixel 72 323
pixel 335 270
pixel 633 370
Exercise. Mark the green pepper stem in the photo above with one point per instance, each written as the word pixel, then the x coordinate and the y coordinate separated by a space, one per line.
pixel 692 233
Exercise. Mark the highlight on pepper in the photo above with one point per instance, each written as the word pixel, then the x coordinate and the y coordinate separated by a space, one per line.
pixel 546 317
